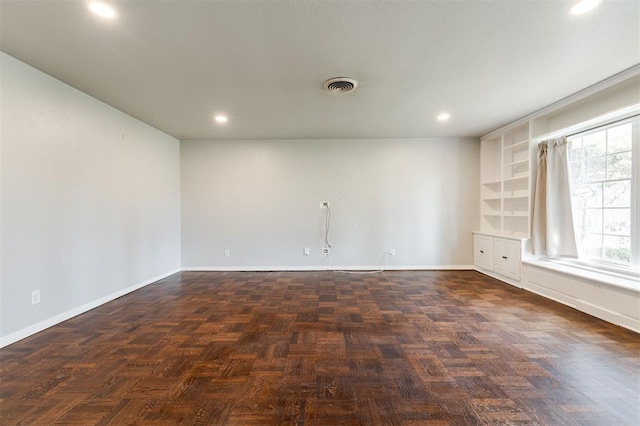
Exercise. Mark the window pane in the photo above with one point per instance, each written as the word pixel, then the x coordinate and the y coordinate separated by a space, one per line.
pixel 617 194
pixel 602 173
pixel 595 144
pixel 576 157
pixel 576 171
pixel 588 195
pixel 617 221
pixel 575 144
pixel 591 245
pixel 619 138
pixel 617 249
pixel 592 221
pixel 594 169
pixel 619 166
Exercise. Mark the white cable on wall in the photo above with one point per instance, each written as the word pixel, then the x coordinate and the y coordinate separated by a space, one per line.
pixel 327 245
pixel 327 226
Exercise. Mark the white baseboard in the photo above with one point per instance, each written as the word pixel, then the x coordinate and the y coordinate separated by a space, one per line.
pixel 574 301
pixel 326 268
pixel 57 319
pixel 600 312
pixel 498 277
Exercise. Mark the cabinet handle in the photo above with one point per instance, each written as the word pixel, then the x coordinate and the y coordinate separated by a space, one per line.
pixel 504 257
pixel 482 251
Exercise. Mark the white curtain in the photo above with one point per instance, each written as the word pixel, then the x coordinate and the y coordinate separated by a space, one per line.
pixel 552 232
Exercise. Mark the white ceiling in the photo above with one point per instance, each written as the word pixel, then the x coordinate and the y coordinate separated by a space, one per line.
pixel 173 64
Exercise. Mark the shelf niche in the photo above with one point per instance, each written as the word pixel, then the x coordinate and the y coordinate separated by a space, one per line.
pixel 505 174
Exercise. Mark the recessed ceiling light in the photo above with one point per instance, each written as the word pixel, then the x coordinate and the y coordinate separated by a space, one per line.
pixel 583 6
pixel 221 118
pixel 444 116
pixel 102 9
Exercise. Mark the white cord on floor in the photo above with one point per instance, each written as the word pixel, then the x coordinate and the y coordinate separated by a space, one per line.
pixel 327 245
pixel 377 271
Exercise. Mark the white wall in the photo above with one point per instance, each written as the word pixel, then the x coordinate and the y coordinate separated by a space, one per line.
pixel 90 201
pixel 260 200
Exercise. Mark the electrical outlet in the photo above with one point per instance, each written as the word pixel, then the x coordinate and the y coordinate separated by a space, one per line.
pixel 325 251
pixel 392 252
pixel 324 204
pixel 35 297
pixel 307 251
pixel 227 253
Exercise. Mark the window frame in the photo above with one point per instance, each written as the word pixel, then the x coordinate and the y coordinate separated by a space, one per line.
pixel 601 265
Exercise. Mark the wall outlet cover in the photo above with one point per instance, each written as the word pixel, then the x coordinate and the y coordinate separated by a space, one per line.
pixel 325 251
pixel 35 297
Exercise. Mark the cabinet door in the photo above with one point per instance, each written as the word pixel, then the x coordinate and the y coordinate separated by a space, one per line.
pixel 500 256
pixel 477 250
pixel 483 252
pixel 507 258
pixel 513 260
pixel 488 248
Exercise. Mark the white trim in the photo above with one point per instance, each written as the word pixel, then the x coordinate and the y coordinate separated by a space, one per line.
pixel 326 268
pixel 635 199
pixel 609 118
pixel 595 88
pixel 588 308
pixel 499 277
pixel 569 300
pixel 501 235
pixel 575 301
pixel 576 272
pixel 57 319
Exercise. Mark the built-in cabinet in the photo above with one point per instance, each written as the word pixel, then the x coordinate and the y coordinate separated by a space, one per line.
pixel 483 251
pixel 508 156
pixel 505 182
pixel 500 257
pixel 505 197
pixel 507 173
pixel 507 257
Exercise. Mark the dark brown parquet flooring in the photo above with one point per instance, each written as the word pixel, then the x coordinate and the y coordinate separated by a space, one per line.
pixel 323 348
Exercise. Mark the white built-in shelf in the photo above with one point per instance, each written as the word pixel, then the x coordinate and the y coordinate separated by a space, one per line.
pixel 517 144
pixel 523 193
pixel 517 178
pixel 491 197
pixel 517 163
pixel 520 235
pixel 505 178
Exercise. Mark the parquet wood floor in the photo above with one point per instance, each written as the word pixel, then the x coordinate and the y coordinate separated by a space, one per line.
pixel 323 348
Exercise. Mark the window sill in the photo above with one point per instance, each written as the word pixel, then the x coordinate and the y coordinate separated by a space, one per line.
pixel 603 277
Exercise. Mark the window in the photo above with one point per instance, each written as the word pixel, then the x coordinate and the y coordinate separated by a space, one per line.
pixel 604 179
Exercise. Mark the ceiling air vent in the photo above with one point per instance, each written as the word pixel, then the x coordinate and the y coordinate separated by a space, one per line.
pixel 340 85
